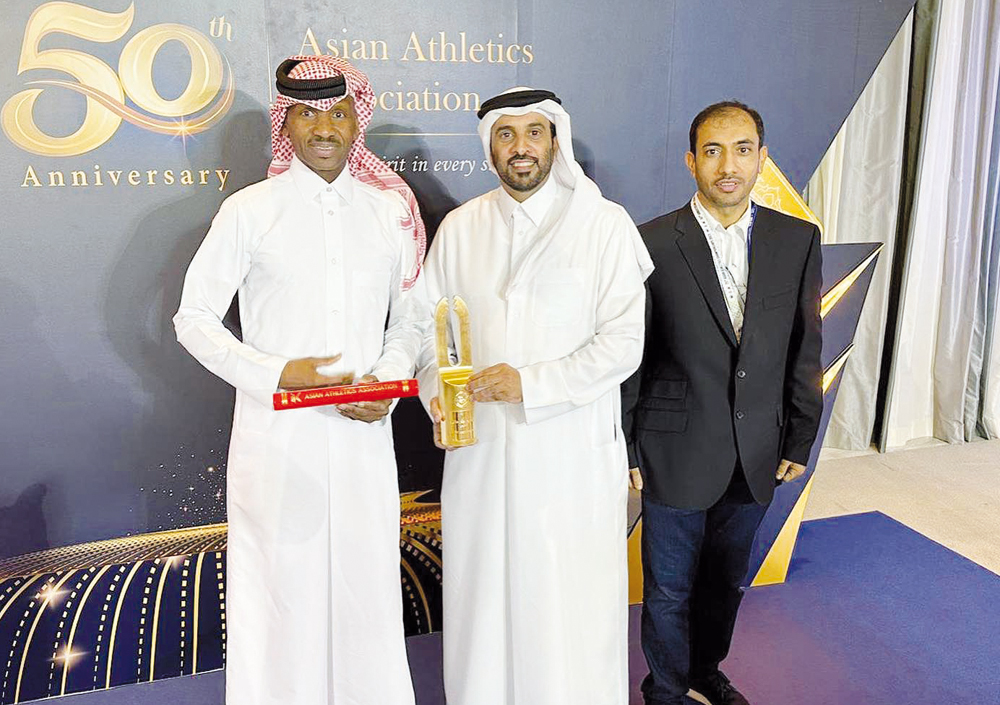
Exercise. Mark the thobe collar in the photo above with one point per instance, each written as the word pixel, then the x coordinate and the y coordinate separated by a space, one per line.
pixel 740 225
pixel 536 206
pixel 310 184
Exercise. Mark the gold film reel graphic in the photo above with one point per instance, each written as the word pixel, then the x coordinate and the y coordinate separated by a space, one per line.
pixel 201 104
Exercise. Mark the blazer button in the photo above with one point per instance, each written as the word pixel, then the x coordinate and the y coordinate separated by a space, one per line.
pixel 741 373
pixel 740 415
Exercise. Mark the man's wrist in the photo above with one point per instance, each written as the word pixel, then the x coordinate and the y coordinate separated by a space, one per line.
pixel 387 373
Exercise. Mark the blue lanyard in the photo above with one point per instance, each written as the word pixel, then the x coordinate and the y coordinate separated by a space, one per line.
pixel 753 217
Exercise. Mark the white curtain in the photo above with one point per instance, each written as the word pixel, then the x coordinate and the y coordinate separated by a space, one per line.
pixel 855 194
pixel 989 377
pixel 935 367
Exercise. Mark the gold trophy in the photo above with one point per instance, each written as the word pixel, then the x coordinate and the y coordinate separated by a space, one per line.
pixel 456 403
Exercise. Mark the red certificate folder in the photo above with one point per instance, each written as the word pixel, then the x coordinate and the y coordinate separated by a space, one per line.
pixel 345 394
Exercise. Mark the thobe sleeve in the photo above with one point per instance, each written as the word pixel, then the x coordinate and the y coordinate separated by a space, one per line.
pixel 409 315
pixel 215 274
pixel 435 286
pixel 804 372
pixel 555 387
pixel 631 389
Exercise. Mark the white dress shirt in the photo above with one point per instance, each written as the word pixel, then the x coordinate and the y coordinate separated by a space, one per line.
pixel 730 252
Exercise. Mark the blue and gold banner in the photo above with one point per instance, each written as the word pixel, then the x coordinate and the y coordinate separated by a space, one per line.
pixel 127 122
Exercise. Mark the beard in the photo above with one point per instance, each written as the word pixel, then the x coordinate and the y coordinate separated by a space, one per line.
pixel 528 181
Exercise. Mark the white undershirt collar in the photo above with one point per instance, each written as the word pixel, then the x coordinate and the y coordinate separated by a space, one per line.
pixel 311 184
pixel 741 225
pixel 536 206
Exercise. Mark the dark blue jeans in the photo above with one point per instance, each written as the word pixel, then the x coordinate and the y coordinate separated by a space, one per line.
pixel 693 562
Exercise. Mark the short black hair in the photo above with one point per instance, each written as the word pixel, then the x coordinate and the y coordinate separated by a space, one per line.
pixel 722 107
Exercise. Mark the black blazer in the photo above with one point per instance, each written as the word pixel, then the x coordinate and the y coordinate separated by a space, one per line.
pixel 701 404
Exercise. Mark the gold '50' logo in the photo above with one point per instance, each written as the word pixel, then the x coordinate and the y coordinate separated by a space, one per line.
pixel 106 90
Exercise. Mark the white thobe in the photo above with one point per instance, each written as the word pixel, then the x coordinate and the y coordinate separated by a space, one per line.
pixel 314 608
pixel 534 514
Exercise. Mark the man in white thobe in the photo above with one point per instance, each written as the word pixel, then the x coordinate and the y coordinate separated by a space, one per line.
pixel 534 514
pixel 319 255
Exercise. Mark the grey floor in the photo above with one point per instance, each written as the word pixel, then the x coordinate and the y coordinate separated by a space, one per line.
pixel 948 493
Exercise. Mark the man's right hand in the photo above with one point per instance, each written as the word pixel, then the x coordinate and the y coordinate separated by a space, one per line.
pixel 302 374
pixel 635 478
pixel 438 416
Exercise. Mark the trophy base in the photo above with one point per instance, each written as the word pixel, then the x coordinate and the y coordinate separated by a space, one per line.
pixel 457 429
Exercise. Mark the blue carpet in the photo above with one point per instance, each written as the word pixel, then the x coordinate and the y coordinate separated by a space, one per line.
pixel 873 613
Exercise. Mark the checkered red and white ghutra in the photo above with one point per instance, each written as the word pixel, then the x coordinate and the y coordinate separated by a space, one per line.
pixel 364 165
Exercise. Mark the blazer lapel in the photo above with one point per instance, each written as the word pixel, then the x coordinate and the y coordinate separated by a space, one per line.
pixel 764 260
pixel 694 248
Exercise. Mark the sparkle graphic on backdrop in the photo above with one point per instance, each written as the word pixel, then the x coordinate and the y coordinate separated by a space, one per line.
pixel 189 489
pixel 153 606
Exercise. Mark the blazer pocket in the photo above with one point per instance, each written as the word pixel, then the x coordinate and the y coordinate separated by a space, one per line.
pixel 656 403
pixel 782 298
pixel 662 420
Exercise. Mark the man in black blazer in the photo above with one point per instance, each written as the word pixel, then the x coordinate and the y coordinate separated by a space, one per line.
pixel 727 401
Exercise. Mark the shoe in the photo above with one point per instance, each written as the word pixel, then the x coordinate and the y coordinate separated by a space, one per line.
pixel 719 690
